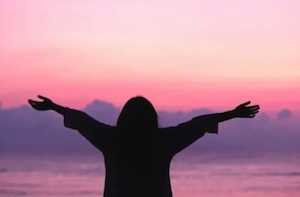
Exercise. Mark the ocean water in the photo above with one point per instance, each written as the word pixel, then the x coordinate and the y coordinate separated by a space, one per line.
pixel 193 175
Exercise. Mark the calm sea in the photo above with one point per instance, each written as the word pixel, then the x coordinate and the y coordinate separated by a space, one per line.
pixel 193 175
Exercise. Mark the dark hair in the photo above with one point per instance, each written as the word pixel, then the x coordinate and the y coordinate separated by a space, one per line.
pixel 138 113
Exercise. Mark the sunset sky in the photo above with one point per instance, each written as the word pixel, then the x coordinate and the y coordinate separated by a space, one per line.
pixel 178 54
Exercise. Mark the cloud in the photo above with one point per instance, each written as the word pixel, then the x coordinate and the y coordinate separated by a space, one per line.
pixel 284 114
pixel 103 111
pixel 25 129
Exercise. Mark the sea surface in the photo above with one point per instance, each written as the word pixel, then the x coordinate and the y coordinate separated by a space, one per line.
pixel 195 174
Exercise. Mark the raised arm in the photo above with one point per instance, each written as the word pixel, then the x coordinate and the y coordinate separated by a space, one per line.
pixel 241 111
pixel 94 131
pixel 179 137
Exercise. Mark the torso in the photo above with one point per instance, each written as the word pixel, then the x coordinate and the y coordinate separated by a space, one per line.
pixel 137 168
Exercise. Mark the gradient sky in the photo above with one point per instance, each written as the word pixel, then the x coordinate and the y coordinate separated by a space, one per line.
pixel 179 54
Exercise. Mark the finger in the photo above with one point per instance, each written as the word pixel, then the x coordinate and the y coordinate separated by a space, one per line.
pixel 251 115
pixel 42 97
pixel 255 111
pixel 250 109
pixel 31 102
pixel 34 102
pixel 246 103
pixel 254 107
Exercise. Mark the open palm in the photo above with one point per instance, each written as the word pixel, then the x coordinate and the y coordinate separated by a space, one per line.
pixel 46 104
pixel 245 111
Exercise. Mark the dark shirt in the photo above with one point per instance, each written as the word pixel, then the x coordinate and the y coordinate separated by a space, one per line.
pixel 138 163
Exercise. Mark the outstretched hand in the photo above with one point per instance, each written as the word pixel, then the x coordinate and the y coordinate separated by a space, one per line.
pixel 46 104
pixel 244 111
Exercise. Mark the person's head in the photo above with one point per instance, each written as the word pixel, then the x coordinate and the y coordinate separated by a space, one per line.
pixel 138 113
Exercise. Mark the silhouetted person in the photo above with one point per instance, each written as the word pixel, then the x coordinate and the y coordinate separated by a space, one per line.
pixel 137 153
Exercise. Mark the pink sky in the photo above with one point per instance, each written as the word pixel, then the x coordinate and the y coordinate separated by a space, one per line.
pixel 179 54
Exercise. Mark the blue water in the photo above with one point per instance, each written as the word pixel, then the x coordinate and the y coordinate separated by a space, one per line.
pixel 197 174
